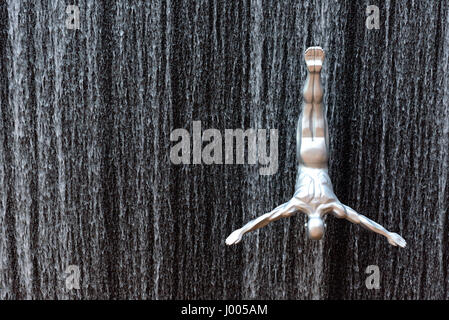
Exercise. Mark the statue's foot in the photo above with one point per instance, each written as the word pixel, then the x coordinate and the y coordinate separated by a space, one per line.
pixel 314 57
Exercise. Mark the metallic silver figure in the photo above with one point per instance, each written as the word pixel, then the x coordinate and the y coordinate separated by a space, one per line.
pixel 314 194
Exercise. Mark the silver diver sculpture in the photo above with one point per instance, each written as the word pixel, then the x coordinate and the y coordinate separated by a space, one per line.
pixel 314 194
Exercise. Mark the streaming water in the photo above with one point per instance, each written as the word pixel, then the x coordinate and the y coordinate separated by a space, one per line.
pixel 85 173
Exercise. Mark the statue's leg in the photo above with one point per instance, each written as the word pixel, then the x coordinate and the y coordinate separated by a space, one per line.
pixel 306 114
pixel 312 92
pixel 318 115
pixel 312 140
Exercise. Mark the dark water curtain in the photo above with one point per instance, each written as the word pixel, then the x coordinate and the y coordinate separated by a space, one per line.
pixel 85 173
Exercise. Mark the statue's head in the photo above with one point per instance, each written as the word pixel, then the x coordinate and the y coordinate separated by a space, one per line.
pixel 315 228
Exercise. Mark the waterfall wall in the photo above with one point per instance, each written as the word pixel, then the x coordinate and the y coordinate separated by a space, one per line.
pixel 86 177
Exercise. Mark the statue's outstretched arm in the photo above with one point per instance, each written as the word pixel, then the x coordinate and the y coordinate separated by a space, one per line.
pixel 350 214
pixel 283 211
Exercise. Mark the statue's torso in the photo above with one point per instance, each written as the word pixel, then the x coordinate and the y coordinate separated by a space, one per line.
pixel 314 187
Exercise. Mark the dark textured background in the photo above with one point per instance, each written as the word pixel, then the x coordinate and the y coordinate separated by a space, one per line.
pixel 85 174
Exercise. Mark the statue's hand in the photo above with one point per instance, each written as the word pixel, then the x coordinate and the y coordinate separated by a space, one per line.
pixel 234 237
pixel 396 240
